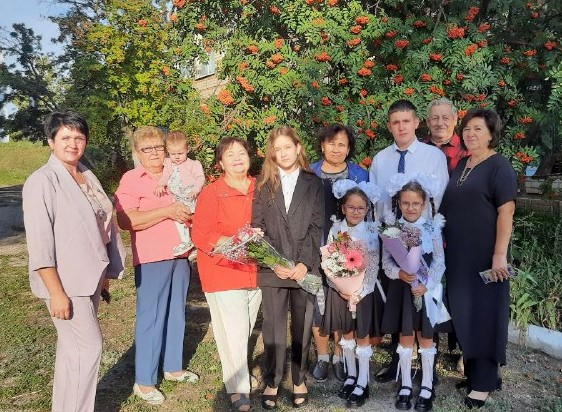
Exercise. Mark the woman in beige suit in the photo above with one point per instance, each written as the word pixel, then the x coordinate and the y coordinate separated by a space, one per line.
pixel 73 248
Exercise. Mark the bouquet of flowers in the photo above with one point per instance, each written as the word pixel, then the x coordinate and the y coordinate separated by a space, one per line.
pixel 247 246
pixel 344 262
pixel 403 242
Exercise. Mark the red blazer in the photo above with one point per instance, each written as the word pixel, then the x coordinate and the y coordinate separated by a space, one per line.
pixel 221 211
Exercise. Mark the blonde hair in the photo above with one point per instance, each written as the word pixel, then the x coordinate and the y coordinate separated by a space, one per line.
pixel 176 137
pixel 147 132
pixel 270 170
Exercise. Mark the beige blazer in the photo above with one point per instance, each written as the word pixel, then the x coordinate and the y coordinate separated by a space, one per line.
pixel 62 232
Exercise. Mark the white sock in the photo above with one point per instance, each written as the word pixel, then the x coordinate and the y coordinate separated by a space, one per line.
pixel 364 356
pixel 348 346
pixel 428 357
pixel 404 367
pixel 337 358
pixel 325 358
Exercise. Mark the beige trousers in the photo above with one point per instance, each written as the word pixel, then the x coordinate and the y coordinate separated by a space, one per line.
pixel 78 356
pixel 233 315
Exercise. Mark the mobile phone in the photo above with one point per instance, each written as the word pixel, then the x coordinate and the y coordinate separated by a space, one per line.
pixel 486 275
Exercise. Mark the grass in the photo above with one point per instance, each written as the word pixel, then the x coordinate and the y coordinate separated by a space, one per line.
pixel 27 341
pixel 19 159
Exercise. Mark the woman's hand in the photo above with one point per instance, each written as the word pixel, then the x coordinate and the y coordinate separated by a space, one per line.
pixel 258 230
pixel 499 268
pixel 419 290
pixel 60 306
pixel 406 277
pixel 282 272
pixel 179 212
pixel 298 272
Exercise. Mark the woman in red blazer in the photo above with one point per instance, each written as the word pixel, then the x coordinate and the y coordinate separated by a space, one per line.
pixel 222 208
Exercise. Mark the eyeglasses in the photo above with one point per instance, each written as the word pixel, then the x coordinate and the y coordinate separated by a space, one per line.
pixel 150 149
pixel 414 205
pixel 355 209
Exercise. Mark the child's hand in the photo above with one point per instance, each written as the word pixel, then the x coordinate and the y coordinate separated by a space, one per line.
pixel 344 296
pixel 160 190
pixel 406 277
pixel 190 195
pixel 419 290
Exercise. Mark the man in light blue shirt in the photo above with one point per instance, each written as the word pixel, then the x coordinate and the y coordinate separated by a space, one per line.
pixel 407 155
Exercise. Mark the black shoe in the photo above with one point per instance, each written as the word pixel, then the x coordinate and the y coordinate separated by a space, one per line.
pixel 403 402
pixel 464 385
pixel 320 372
pixel 499 384
pixel 386 374
pixel 269 398
pixel 424 404
pixel 346 390
pixel 339 371
pixel 298 396
pixel 357 401
pixel 473 403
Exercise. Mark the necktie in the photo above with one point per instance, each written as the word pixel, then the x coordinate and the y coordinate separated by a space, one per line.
pixel 402 161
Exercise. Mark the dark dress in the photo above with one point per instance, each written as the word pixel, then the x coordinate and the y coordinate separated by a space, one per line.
pixel 400 314
pixel 480 312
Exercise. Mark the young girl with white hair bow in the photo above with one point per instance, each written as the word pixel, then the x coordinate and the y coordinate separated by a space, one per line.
pixel 356 200
pixel 414 300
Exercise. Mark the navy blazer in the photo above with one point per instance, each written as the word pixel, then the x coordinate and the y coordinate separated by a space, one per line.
pixel 296 234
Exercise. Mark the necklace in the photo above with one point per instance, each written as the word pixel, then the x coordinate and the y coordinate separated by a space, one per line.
pixel 467 170
pixel 94 201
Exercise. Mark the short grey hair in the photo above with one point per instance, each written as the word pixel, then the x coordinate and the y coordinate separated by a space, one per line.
pixel 440 102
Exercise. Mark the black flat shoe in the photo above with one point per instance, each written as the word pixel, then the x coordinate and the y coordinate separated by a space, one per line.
pixel 473 403
pixel 299 396
pixel 242 401
pixel 346 390
pixel 357 401
pixel 424 404
pixel 386 374
pixel 403 402
pixel 463 385
pixel 269 398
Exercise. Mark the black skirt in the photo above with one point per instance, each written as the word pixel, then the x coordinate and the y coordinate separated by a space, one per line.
pixel 400 314
pixel 338 317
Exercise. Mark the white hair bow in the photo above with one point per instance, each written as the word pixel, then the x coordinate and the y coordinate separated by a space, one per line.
pixel 341 187
pixel 428 182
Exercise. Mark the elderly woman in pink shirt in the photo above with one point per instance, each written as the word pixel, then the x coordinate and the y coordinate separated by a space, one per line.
pixel 161 279
pixel 73 246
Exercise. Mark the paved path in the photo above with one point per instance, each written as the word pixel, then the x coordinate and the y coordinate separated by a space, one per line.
pixel 12 234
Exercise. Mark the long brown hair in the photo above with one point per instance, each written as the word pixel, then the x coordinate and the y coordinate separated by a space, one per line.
pixel 269 170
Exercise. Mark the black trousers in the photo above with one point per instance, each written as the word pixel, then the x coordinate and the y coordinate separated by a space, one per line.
pixel 277 302
pixel 482 374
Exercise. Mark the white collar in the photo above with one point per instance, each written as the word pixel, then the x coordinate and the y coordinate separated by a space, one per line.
pixel 411 148
pixel 293 175
pixel 421 220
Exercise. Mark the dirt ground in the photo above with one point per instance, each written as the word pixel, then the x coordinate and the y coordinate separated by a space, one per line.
pixel 532 380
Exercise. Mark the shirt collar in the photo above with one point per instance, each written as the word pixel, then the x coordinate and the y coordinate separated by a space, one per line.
pixel 292 175
pixel 418 222
pixel 453 141
pixel 412 148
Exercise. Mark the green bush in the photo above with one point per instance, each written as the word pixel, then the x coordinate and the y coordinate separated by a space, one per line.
pixel 537 286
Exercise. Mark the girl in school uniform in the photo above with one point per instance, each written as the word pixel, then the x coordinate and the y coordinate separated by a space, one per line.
pixel 289 208
pixel 356 200
pixel 402 314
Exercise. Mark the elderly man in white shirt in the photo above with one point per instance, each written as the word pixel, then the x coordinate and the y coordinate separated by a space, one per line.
pixel 406 155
